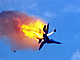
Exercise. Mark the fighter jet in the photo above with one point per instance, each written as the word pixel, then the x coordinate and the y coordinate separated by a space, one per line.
pixel 45 38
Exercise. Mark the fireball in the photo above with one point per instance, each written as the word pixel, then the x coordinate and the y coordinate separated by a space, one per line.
pixel 33 30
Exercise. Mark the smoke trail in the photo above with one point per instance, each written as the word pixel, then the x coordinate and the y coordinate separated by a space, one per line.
pixel 9 29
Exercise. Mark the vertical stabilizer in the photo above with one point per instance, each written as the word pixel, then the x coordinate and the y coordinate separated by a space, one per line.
pixel 45 29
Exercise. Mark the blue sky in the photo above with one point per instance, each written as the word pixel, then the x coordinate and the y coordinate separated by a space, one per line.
pixel 64 15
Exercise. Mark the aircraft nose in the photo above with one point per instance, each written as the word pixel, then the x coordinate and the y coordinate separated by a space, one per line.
pixel 54 30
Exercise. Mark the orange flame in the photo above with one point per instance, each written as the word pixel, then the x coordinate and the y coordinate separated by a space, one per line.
pixel 33 30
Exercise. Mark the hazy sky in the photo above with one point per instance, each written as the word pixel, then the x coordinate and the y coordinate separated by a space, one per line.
pixel 64 15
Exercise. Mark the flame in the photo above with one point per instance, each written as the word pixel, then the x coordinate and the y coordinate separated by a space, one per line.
pixel 33 30
pixel 20 30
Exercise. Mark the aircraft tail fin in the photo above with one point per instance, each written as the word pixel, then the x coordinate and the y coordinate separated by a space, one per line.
pixel 45 29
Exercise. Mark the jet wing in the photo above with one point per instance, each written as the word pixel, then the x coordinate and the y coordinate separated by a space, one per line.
pixel 41 45
pixel 53 41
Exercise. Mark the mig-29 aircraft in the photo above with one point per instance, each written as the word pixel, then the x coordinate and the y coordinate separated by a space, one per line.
pixel 45 38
